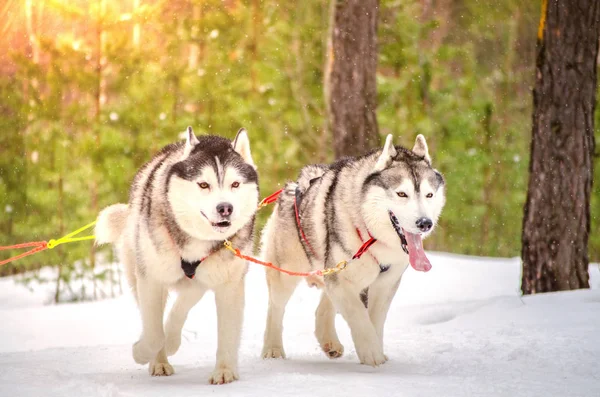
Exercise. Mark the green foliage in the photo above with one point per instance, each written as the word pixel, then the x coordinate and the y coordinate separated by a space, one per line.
pixel 113 85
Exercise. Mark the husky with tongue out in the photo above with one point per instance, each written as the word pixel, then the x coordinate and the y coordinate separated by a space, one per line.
pixel 392 196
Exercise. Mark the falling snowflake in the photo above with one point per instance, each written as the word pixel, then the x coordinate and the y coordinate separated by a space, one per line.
pixel 113 116
pixel 214 34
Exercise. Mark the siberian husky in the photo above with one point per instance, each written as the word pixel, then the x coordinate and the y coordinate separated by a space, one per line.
pixel 182 205
pixel 392 195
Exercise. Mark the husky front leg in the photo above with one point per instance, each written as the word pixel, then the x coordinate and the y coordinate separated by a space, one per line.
pixel 186 299
pixel 350 306
pixel 152 297
pixel 229 298
pixel 380 296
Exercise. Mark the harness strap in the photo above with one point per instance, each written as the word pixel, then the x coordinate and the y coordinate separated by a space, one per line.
pixel 270 199
pixel 365 247
pixel 299 224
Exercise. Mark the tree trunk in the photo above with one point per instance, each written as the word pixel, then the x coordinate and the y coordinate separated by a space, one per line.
pixel 556 224
pixel 350 85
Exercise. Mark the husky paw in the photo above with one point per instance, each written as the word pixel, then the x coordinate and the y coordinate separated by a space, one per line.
pixel 273 352
pixel 372 357
pixel 172 343
pixel 160 369
pixel 333 349
pixel 141 354
pixel 220 376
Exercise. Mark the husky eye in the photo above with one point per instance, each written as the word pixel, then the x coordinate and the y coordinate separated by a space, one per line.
pixel 204 185
pixel 429 195
pixel 235 185
pixel 402 194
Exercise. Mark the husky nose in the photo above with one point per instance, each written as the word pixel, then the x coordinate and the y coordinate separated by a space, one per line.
pixel 224 209
pixel 424 224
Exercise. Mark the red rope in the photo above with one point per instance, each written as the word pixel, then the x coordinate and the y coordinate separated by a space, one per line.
pixel 37 247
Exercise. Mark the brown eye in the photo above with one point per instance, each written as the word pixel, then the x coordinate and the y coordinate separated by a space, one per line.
pixel 204 185
pixel 235 185
pixel 402 194
pixel 429 195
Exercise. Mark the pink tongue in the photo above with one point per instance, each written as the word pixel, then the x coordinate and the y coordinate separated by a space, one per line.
pixel 416 255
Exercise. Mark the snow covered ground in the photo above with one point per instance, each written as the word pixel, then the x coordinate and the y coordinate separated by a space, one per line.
pixel 459 330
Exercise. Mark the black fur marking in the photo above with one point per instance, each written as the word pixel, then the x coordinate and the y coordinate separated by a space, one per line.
pixel 364 297
pixel 330 213
pixel 149 189
pixel 203 155
pixel 437 181
pixel 373 180
pixel 415 178
pixel 189 268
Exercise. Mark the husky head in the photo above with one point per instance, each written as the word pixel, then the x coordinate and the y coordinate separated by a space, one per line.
pixel 213 190
pixel 404 185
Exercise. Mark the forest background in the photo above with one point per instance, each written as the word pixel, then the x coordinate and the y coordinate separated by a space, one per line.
pixel 90 90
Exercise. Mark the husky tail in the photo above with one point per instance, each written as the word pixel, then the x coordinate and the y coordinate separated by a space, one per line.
pixel 109 229
pixel 110 223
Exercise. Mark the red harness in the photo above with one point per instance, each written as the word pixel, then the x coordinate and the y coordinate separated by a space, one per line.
pixel 363 248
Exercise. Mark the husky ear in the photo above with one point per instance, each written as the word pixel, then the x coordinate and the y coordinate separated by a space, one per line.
pixel 190 141
pixel 388 153
pixel 421 148
pixel 241 144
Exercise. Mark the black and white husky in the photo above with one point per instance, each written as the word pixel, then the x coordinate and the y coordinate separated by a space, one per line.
pixel 182 205
pixel 393 195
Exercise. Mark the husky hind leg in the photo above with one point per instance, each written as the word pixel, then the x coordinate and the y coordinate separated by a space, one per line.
pixel 281 288
pixel 325 328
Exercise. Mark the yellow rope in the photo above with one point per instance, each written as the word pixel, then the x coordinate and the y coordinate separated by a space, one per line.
pixel 69 237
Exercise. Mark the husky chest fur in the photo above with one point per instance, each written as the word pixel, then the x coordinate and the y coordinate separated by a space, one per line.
pixel 393 195
pixel 183 204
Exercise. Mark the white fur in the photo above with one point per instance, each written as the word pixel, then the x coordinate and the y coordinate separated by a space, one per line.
pixel 110 223
pixel 281 245
pixel 159 268
pixel 387 154
pixel 241 144
pixel 421 148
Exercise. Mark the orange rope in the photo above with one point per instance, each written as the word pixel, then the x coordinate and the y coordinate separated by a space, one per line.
pixel 37 247
pixel 340 266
